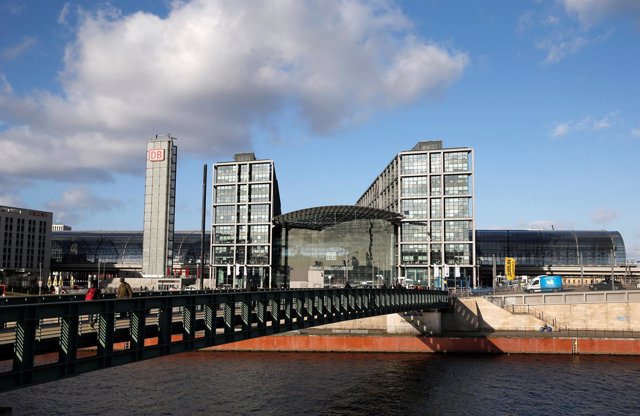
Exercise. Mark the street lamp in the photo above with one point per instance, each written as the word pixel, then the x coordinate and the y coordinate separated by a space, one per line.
pixel 613 252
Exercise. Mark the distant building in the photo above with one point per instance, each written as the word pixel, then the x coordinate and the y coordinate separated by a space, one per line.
pixel 159 207
pixel 60 227
pixel 245 200
pixel 25 245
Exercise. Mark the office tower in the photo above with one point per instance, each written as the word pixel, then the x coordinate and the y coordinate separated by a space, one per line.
pixel 25 245
pixel 159 207
pixel 432 187
pixel 245 200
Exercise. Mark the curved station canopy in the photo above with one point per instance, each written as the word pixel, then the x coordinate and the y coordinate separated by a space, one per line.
pixel 318 218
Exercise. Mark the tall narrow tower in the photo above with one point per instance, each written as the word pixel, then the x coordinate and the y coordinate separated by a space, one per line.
pixel 159 207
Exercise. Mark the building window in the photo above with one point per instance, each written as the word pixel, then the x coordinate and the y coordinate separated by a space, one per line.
pixel 225 194
pixel 244 173
pixel 436 208
pixel 259 213
pixel 240 258
pixel 243 214
pixel 224 234
pixel 414 208
pixel 225 174
pixel 260 193
pixel 436 254
pixel 436 230
pixel 259 234
pixel 457 230
pixel 414 164
pixel 223 255
pixel 415 232
pixel 243 194
pixel 258 255
pixel 457 208
pixel 457 253
pixel 225 214
pixel 415 254
pixel 414 186
pixel 242 234
pixel 260 172
pixel 456 185
pixel 436 163
pixel 456 162
pixel 436 186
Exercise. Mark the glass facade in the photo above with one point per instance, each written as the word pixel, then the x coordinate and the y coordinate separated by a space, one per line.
pixel 436 199
pixel 245 199
pixel 327 249
pixel 360 251
pixel 550 248
pixel 119 252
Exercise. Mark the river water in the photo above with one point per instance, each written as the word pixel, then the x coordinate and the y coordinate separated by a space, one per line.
pixel 230 383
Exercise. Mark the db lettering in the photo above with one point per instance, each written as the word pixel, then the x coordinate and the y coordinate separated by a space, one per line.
pixel 156 155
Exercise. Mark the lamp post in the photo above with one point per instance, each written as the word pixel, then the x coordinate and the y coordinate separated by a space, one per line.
pixel 613 252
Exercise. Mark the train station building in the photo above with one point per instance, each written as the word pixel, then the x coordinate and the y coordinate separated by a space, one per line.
pixel 415 224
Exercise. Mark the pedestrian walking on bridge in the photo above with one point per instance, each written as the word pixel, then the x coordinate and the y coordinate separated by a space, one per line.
pixel 124 291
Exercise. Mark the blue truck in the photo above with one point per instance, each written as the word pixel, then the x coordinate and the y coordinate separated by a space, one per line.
pixel 544 283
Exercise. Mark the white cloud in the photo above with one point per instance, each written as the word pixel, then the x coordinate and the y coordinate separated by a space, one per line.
pixel 63 16
pixel 635 132
pixel 560 130
pixel 560 44
pixel 5 87
pixel 10 200
pixel 604 216
pixel 14 51
pixel 545 225
pixel 209 73
pixel 590 12
pixel 586 123
pixel 78 202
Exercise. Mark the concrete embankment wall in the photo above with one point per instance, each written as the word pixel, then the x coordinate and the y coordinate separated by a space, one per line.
pixel 612 316
pixel 422 332
pixel 435 344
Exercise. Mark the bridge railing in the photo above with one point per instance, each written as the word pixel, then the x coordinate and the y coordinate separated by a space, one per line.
pixel 45 341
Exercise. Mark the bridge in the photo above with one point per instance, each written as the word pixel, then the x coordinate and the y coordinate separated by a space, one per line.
pixel 44 339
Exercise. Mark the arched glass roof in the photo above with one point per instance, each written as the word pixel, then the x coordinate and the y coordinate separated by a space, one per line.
pixel 318 218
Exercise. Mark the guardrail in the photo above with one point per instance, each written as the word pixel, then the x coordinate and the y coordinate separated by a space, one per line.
pixel 47 341
pixel 560 298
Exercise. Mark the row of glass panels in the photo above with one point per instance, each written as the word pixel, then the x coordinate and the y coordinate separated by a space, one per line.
pixel 255 192
pixel 433 208
pixel 252 172
pixel 433 185
pixel 424 163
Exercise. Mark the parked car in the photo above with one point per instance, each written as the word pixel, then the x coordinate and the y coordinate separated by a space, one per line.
pixel 606 285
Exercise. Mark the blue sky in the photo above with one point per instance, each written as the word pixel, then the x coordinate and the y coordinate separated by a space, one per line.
pixel 546 92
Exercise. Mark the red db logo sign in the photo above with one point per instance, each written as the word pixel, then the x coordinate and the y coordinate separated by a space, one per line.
pixel 155 155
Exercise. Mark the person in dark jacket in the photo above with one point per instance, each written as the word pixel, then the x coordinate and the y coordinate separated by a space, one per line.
pixel 124 291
